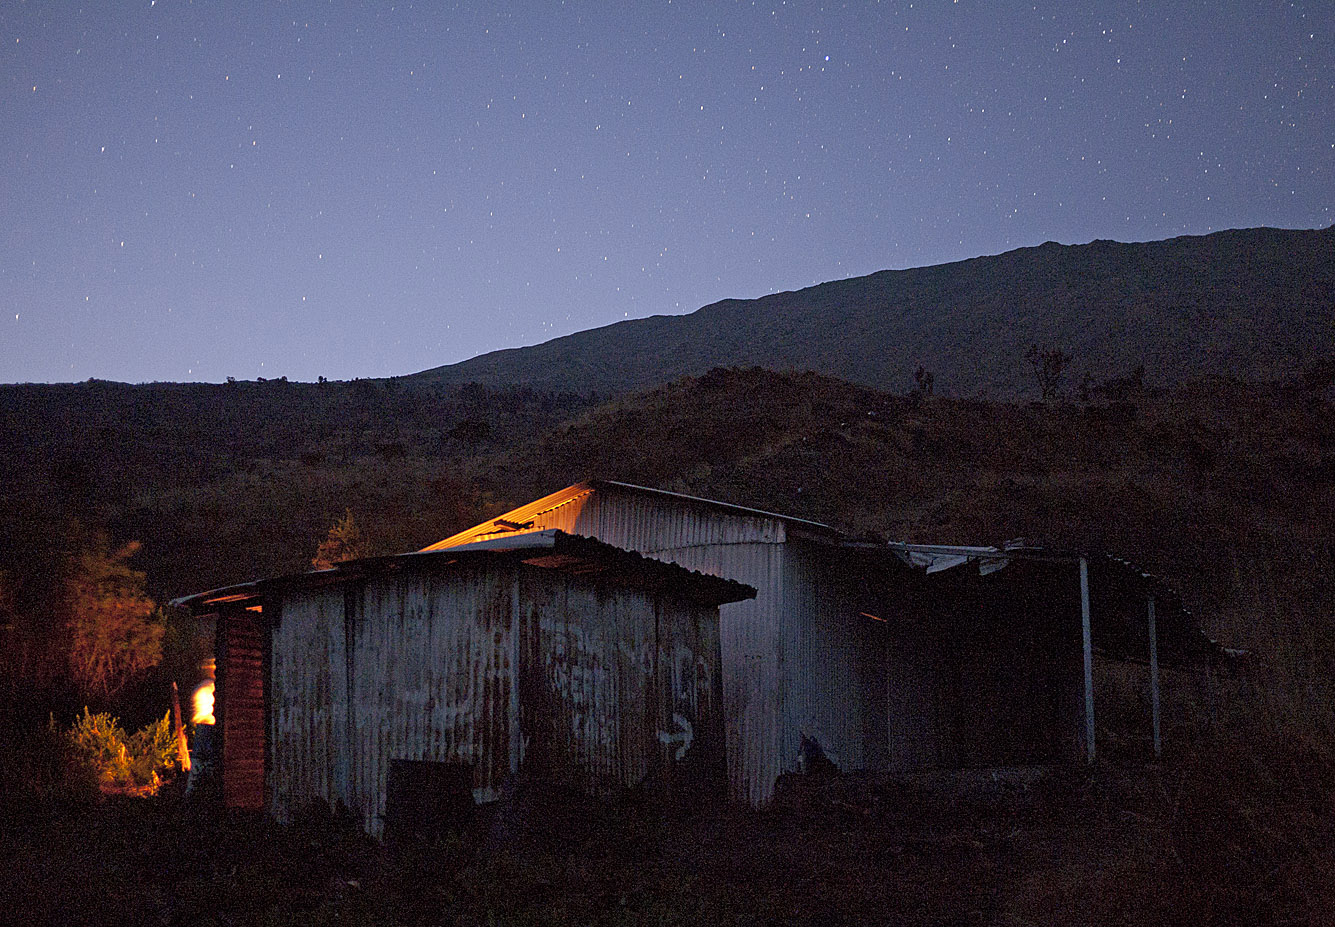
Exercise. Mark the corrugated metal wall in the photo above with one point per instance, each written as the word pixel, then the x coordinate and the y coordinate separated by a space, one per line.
pixel 308 701
pixel 410 666
pixel 422 666
pixel 794 659
pixel 432 677
pixel 749 549
pixel 751 637
pixel 824 645
pixel 618 689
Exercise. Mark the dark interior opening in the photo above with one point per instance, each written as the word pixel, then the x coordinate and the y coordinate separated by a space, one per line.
pixel 427 800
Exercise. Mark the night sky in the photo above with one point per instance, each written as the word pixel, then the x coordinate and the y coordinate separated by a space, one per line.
pixel 197 191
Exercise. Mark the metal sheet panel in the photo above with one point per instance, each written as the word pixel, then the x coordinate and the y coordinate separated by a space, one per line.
pixel 751 647
pixel 413 666
pixel 618 689
pixel 739 546
pixel 823 641
pixel 621 686
pixel 307 718
pixel 650 524
pixel 432 658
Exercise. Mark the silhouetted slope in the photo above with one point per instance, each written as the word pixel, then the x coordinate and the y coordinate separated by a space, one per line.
pixel 1255 303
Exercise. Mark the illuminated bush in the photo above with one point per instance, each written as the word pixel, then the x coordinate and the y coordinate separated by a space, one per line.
pixel 123 762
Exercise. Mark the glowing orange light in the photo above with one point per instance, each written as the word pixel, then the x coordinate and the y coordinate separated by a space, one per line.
pixel 203 703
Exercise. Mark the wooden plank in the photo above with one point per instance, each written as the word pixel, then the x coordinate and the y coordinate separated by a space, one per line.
pixel 243 717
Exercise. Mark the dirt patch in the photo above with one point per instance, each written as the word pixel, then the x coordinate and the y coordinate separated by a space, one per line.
pixel 1091 850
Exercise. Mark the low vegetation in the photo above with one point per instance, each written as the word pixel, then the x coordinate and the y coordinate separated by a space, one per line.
pixel 119 762
pixel 1226 489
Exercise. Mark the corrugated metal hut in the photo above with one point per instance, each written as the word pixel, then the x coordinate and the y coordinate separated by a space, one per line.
pixel 872 650
pixel 793 662
pixel 545 659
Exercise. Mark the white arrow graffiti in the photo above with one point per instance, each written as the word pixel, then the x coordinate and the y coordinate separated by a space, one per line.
pixel 684 736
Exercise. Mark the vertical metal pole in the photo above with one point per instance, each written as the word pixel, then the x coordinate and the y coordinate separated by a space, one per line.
pixel 1087 645
pixel 517 630
pixel 1154 678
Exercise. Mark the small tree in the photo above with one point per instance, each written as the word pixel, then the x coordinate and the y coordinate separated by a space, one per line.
pixel 924 380
pixel 344 542
pixel 1049 369
pixel 115 628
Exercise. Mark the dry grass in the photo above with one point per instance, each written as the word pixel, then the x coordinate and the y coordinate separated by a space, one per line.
pixel 1226 490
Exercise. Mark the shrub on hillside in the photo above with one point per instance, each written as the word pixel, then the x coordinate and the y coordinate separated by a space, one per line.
pixel 115 628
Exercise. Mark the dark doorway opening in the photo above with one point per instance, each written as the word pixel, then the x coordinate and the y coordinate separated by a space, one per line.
pixel 426 801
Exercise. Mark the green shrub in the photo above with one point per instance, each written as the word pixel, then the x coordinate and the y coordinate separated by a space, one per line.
pixel 123 762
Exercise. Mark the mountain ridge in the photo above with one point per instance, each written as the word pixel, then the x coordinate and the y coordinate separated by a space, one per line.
pixel 1255 303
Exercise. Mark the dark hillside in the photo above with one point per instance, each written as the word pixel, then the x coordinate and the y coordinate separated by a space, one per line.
pixel 1183 481
pixel 1225 488
pixel 1257 304
pixel 224 481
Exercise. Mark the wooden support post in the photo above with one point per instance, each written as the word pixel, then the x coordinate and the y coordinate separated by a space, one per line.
pixel 182 745
pixel 1154 678
pixel 1088 648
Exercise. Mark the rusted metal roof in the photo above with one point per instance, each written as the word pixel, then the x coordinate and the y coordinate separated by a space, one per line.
pixel 538 513
pixel 550 549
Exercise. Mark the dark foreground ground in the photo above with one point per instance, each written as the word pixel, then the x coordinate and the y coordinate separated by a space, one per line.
pixel 1116 847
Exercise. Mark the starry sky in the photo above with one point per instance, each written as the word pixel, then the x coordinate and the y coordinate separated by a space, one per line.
pixel 191 191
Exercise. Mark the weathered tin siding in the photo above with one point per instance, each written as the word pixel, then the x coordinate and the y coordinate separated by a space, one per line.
pixel 411 666
pixel 618 689
pixel 612 685
pixel 433 659
pixel 751 645
pixel 308 702
pixel 796 659
pixel 651 525
pixel 828 693
pixel 746 548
